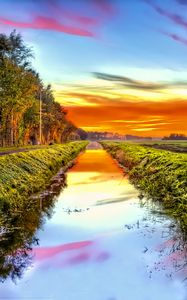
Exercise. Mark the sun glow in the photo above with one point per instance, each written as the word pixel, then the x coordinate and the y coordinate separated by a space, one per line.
pixel 97 105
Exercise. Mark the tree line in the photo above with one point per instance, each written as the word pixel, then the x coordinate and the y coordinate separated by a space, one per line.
pixel 21 90
pixel 175 136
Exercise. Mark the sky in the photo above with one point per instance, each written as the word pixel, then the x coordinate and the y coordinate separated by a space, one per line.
pixel 116 65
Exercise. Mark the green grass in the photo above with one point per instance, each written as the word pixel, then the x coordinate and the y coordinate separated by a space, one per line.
pixel 175 147
pixel 170 145
pixel 159 174
pixel 174 142
pixel 25 173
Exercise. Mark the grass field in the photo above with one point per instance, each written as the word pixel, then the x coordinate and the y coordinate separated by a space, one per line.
pixel 159 174
pixel 179 147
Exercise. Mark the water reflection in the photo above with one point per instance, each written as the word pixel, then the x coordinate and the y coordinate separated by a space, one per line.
pixel 19 226
pixel 101 242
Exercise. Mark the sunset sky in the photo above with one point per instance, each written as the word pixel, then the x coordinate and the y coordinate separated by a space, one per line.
pixel 118 65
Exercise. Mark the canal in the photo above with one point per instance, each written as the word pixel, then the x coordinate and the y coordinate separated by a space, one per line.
pixel 101 242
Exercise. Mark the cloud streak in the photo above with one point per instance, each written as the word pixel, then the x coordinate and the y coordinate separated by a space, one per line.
pixel 175 37
pixel 68 21
pixel 48 252
pixel 183 2
pixel 46 23
pixel 105 6
pixel 140 85
pixel 60 11
pixel 175 18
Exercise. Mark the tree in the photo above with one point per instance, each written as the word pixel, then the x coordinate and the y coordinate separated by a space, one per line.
pixel 175 136
pixel 13 48
pixel 82 134
pixel 20 92
pixel 18 88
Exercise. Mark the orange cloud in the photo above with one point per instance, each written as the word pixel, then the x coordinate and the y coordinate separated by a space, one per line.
pixel 148 108
pixel 127 117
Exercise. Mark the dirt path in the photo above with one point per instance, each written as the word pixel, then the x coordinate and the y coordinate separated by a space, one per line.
pixel 2 153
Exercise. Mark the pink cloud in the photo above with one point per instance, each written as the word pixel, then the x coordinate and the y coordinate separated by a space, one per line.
pixel 48 252
pixel 164 245
pixel 66 20
pixel 85 257
pixel 46 23
pixel 78 259
pixel 69 15
pixel 173 251
pixel 70 254
pixel 105 6
pixel 103 256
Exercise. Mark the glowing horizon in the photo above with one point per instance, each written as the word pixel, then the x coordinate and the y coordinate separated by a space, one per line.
pixel 134 114
pixel 109 62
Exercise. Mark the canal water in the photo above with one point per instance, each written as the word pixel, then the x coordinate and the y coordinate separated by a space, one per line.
pixel 101 242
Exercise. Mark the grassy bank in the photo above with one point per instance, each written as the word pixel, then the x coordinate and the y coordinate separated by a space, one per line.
pixel 25 173
pixel 159 174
